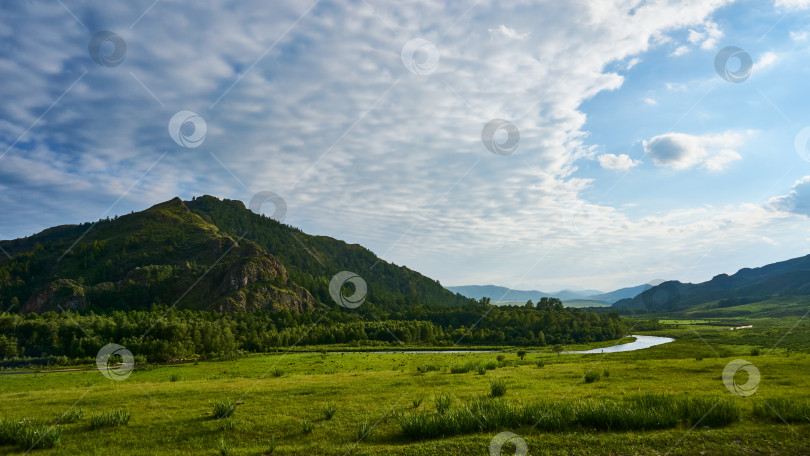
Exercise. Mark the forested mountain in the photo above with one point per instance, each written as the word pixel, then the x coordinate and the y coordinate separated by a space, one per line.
pixel 785 278
pixel 313 260
pixel 242 260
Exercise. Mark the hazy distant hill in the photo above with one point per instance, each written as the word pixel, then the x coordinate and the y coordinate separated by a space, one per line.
pixel 785 278
pixel 502 294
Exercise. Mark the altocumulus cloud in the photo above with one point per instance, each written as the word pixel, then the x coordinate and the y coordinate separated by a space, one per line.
pixel 683 151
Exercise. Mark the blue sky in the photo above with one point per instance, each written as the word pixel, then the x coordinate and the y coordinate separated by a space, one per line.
pixel 635 161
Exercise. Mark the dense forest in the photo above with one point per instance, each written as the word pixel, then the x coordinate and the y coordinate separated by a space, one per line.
pixel 160 334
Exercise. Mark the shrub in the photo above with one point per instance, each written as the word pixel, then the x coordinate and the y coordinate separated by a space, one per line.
pixel 481 369
pixel 541 363
pixel 71 416
pixel 591 376
pixel 307 427
pixel 521 354
pixel 497 387
pixel 363 429
pixel 463 368
pixel 425 368
pixel 329 411
pixel 491 365
pixel 443 402
pixel 224 409
pixel 500 358
pixel 109 419
pixel 755 351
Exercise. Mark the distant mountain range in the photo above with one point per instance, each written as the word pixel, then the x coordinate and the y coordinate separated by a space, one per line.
pixel 503 294
pixel 785 278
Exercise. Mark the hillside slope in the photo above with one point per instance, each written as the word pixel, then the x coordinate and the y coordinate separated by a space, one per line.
pixel 785 278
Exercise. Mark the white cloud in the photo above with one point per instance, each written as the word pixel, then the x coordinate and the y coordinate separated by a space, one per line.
pixel 798 36
pixel 680 50
pixel 707 38
pixel 683 151
pixel 797 201
pixel 792 4
pixel 621 162
pixel 650 101
pixel 509 33
pixel 767 59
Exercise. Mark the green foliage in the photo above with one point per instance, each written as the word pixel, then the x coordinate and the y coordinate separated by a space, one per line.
pixel 443 403
pixel 417 401
pixel 109 419
pixel 497 387
pixel 71 416
pixel 425 368
pixel 223 449
pixel 307 427
pixel 793 410
pixel 224 409
pixel 363 429
pixel 28 435
pixel 329 410
pixel 521 354
pixel 591 376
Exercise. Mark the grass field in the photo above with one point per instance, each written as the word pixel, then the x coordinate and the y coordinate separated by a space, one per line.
pixel 371 403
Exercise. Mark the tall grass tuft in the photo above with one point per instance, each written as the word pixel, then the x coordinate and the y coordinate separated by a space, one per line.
pixel 417 401
pixel 591 376
pixel 329 410
pixel 277 373
pixel 363 429
pixel 425 368
pixel 497 387
pixel 109 419
pixel 443 403
pixel 307 427
pixel 638 412
pixel 71 416
pixel 223 448
pixel 224 409
pixel 778 409
pixel 28 435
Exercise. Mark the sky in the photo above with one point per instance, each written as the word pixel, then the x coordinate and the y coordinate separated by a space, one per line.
pixel 533 145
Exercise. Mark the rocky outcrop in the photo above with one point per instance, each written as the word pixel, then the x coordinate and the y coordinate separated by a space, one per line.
pixel 267 297
pixel 60 294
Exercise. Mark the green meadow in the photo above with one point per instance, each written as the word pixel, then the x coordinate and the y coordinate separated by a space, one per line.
pixel 668 399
